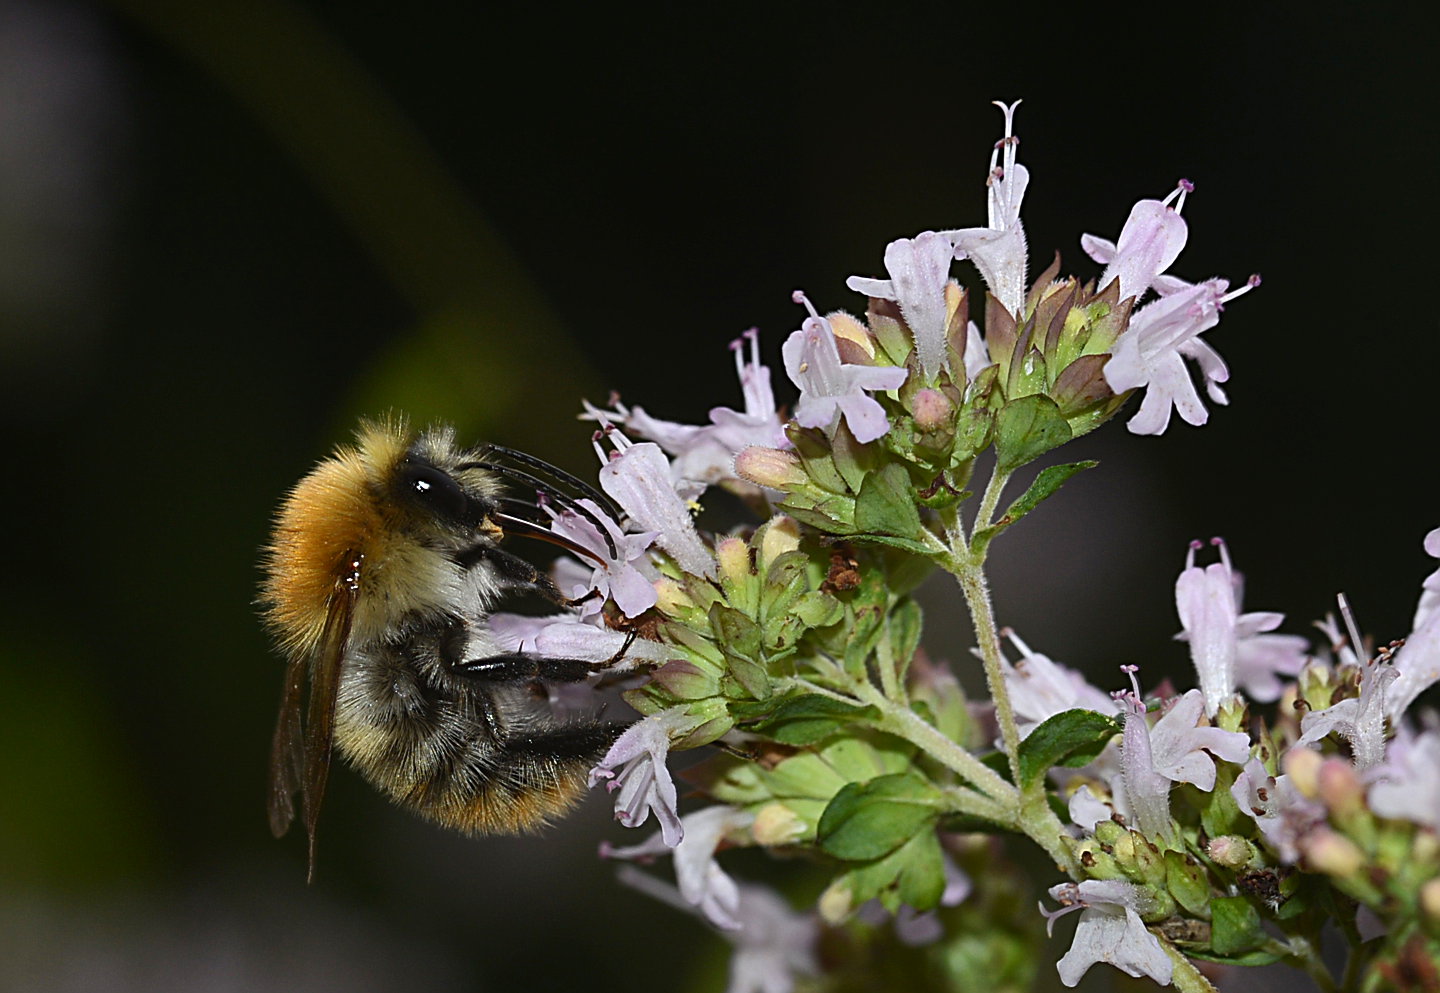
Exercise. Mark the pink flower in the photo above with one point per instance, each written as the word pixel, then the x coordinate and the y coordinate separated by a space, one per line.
pixel 617 578
pixel 705 454
pixel 1418 660
pixel 635 766
pixel 1041 688
pixel 998 250
pixel 1281 812
pixel 1110 930
pixel 637 476
pixel 1407 787
pixel 919 268
pixel 1227 646
pixel 703 884
pixel 1176 750
pixel 1151 354
pixel 1150 241
pixel 828 386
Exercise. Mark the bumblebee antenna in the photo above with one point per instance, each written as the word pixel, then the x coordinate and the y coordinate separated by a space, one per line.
pixel 515 503
pixel 579 484
pixel 547 488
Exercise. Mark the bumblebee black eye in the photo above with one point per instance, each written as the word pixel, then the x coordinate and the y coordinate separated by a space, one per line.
pixel 437 492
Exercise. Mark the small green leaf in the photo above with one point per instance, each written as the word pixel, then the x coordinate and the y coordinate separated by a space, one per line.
pixel 871 819
pixel 886 504
pixel 1026 428
pixel 737 633
pixel 805 720
pixel 905 624
pixel 803 775
pixel 1050 479
pixel 833 514
pixel 1248 958
pixel 1072 738
pixel 905 544
pixel 817 610
pixel 913 874
pixel 1188 883
pixel 1235 925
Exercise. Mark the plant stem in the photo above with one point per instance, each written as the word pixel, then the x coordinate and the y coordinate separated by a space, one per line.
pixel 1186 977
pixel 903 722
pixel 967 564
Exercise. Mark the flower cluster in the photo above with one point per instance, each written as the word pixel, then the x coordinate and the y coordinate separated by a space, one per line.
pixel 1189 827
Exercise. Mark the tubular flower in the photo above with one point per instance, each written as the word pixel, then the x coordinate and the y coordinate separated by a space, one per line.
pixel 1150 241
pixel 635 766
pixel 1176 750
pixel 1151 353
pixel 1040 688
pixel 705 454
pixel 703 884
pixel 1226 646
pixel 919 268
pixel 638 477
pixel 998 250
pixel 617 578
pixel 812 359
pixel 1418 660
pixel 1359 720
pixel 1110 930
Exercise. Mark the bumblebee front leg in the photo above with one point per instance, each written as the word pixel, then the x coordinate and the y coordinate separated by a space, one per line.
pixel 519 574
pixel 520 667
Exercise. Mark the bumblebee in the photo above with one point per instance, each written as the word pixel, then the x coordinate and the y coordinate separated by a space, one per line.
pixel 384 562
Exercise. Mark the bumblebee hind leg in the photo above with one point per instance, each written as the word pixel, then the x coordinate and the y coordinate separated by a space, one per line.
pixel 541 775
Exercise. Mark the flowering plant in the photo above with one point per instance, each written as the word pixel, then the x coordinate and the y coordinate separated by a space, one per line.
pixel 1190 830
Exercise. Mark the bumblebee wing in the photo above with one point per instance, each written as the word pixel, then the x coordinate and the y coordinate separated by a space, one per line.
pixel 300 756
pixel 287 750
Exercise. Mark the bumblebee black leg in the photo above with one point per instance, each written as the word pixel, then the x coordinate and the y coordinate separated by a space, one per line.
pixel 514 667
pixel 573 741
pixel 517 573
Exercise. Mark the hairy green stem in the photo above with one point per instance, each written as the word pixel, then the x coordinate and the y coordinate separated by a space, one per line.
pixel 903 722
pixel 967 564
pixel 1186 977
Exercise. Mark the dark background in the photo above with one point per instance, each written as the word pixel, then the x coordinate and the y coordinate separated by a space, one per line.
pixel 227 230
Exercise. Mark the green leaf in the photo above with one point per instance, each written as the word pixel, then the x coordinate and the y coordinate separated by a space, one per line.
pixel 1248 958
pixel 1235 926
pixel 1050 479
pixel 817 610
pixel 906 544
pixel 886 504
pixel 803 775
pixel 872 819
pixel 913 874
pixel 833 515
pixel 852 460
pixel 805 720
pixel 1026 428
pixel 1072 738
pixel 905 625
pixel 1188 883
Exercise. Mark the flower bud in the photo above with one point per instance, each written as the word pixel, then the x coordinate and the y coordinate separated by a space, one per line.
pixel 848 329
pixel 769 467
pixel 776 824
pixel 933 411
pixel 1332 853
pixel 835 903
pixel 1231 851
pixel 779 535
pixel 1340 788
pixel 737 577
pixel 1430 899
pixel 1303 767
pixel 684 680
